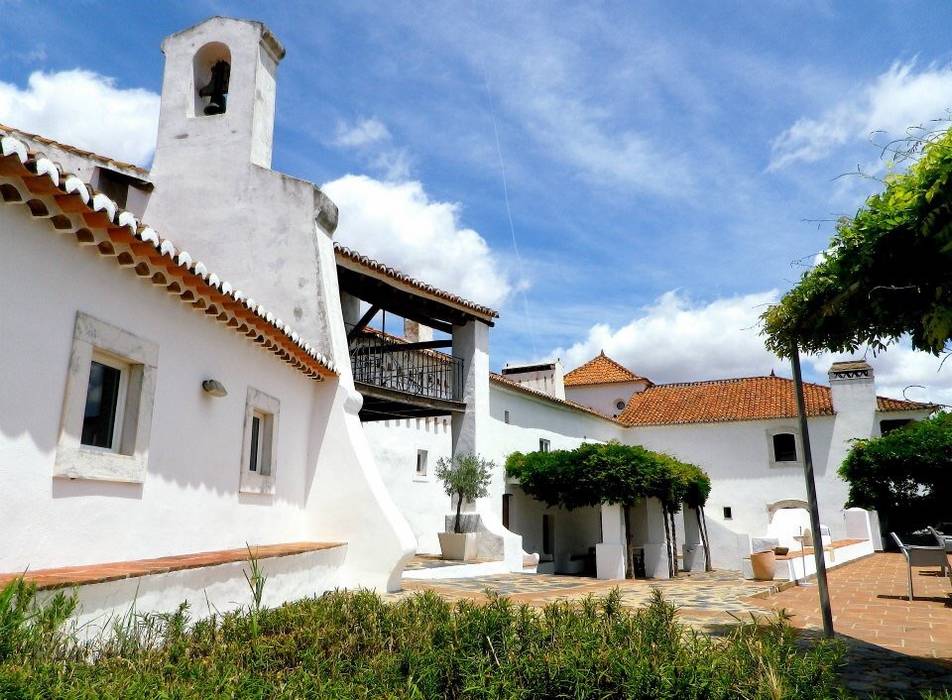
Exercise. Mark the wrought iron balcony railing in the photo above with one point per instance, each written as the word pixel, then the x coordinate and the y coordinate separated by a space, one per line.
pixel 378 360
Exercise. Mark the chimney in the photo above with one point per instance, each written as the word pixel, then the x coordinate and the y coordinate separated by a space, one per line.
pixel 853 387
pixel 547 377
pixel 415 332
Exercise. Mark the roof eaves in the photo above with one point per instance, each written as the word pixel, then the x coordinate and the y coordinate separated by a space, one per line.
pixel 115 232
pixel 375 266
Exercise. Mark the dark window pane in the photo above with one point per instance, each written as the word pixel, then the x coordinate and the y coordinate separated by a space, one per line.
pixel 102 398
pixel 785 448
pixel 887 426
pixel 255 430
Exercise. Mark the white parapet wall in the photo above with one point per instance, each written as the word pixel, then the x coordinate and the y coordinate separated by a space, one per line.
pixel 207 590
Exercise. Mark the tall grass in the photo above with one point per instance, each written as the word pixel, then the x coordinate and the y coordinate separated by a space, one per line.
pixel 355 645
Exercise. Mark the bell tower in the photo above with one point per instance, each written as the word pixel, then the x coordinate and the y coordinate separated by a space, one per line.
pixel 218 96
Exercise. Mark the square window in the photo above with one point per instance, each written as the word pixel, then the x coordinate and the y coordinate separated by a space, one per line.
pixel 259 448
pixel 107 406
pixel 728 514
pixel 421 460
pixel 105 403
pixel 544 445
pixel 785 447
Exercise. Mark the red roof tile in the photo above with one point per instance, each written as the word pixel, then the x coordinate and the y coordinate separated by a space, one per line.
pixel 601 369
pixel 747 398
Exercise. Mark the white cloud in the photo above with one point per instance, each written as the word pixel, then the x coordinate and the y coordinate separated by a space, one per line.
pixel 361 133
pixel 85 109
pixel 676 339
pixel 896 100
pixel 372 139
pixel 398 224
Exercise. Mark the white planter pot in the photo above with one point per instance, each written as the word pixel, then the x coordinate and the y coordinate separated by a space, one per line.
pixel 458 546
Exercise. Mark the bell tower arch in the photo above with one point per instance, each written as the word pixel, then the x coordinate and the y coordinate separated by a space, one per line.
pixel 218 96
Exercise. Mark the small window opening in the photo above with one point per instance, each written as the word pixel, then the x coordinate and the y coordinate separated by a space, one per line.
pixel 887 426
pixel 544 445
pixel 506 416
pixel 259 454
pixel 620 405
pixel 105 399
pixel 728 514
pixel 785 447
pixel 421 460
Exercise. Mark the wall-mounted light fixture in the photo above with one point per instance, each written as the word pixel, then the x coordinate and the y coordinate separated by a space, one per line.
pixel 215 388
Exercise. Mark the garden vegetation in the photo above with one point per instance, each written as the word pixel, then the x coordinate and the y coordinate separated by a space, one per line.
pixel 593 474
pixel 355 645
pixel 905 475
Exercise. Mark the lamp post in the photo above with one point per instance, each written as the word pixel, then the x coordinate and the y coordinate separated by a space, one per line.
pixel 825 611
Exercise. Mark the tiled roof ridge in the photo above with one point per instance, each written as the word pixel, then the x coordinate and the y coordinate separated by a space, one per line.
pixel 396 274
pixel 116 232
pixel 500 379
pixel 824 387
pixel 75 150
pixel 571 377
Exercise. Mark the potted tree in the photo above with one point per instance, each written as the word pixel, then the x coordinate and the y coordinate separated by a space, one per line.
pixel 466 477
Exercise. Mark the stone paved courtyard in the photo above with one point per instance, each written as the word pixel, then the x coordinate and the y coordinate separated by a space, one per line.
pixel 896 648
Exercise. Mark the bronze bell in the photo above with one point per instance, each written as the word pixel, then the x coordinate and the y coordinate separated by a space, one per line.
pixel 217 88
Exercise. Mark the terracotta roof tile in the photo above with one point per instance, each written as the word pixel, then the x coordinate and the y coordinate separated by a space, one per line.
pixel 70 206
pixel 601 369
pixel 82 153
pixel 371 265
pixel 747 398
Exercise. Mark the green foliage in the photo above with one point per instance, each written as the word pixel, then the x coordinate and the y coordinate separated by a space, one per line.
pixel 887 272
pixel 354 645
pixel 465 476
pixel 906 475
pixel 610 473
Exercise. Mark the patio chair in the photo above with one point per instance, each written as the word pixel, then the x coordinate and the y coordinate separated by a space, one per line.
pixel 943 539
pixel 919 555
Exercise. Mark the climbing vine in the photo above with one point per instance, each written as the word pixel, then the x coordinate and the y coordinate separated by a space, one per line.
pixel 613 473
pixel 887 271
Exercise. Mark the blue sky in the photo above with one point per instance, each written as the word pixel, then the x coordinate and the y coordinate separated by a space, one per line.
pixel 661 161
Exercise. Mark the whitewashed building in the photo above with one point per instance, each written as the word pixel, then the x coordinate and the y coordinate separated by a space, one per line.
pixel 175 370
pixel 188 367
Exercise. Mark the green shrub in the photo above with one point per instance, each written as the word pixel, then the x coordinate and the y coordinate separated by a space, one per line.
pixel 905 475
pixel 354 645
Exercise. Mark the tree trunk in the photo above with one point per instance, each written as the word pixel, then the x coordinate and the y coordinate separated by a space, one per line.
pixel 674 544
pixel 667 538
pixel 702 528
pixel 629 564
pixel 459 507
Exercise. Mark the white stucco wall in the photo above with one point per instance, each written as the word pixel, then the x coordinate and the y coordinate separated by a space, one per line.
pixel 421 500
pixel 424 503
pixel 326 485
pixel 737 456
pixel 604 397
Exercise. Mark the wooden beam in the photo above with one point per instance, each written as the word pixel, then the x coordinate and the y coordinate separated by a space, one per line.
pixel 397 347
pixel 362 323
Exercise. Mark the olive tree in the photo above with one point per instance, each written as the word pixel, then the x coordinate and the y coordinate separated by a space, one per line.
pixel 466 477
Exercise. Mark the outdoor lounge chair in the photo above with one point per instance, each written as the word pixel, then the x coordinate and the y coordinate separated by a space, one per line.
pixel 943 539
pixel 918 555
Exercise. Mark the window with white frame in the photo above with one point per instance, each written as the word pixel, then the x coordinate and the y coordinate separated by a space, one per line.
pixel 421 463
pixel 107 407
pixel 544 445
pixel 259 446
